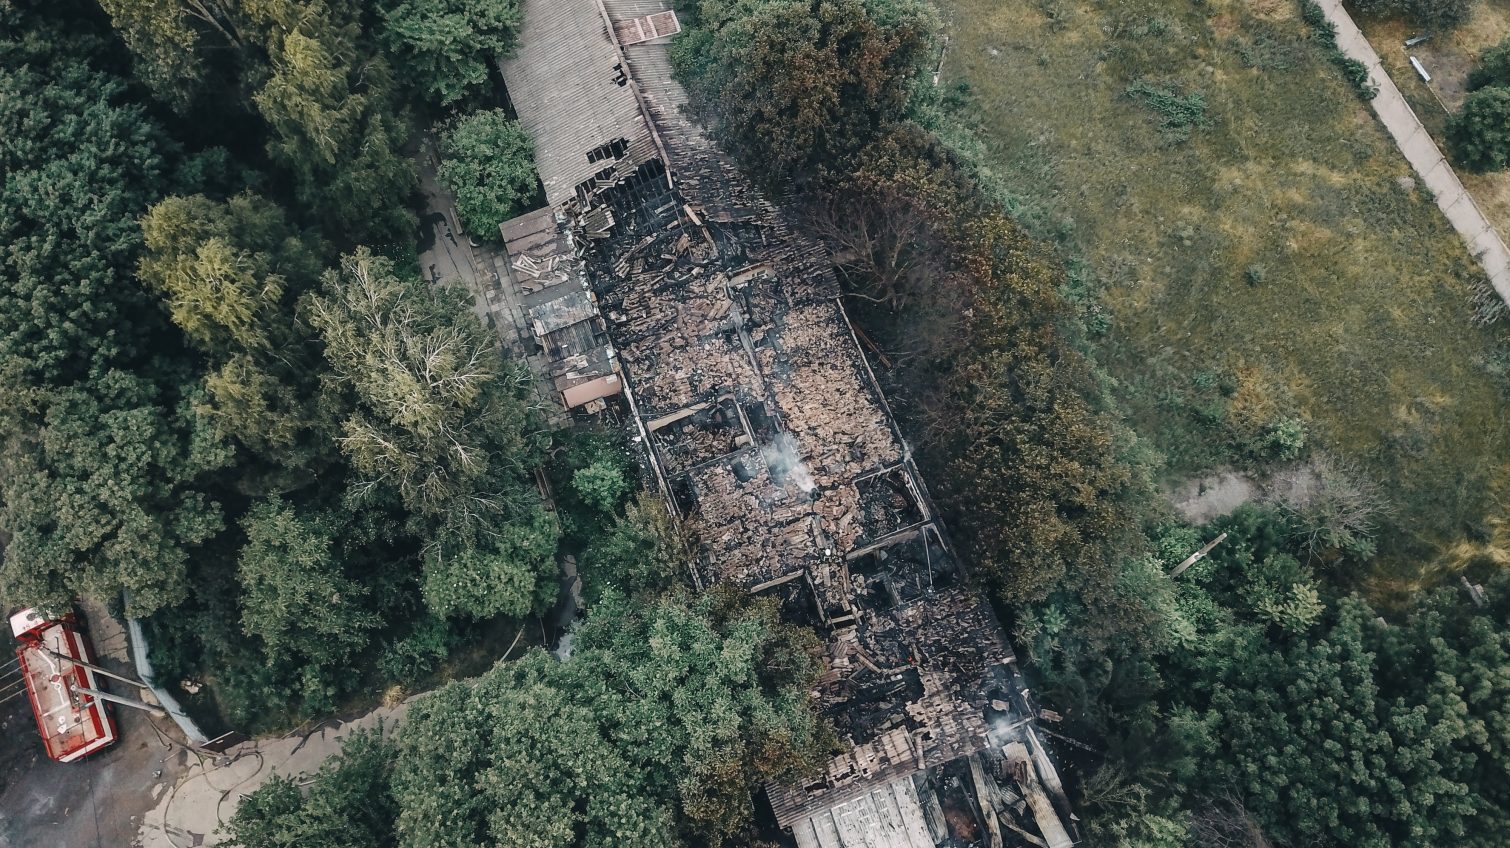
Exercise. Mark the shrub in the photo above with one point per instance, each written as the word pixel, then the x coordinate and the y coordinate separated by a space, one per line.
pixel 1479 134
pixel 1493 68
pixel 419 653
pixel 641 553
pixel 1325 34
pixel 602 485
pixel 1286 439
pixel 1178 113
pixel 490 167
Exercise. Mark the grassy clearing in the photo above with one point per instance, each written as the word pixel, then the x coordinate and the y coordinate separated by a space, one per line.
pixel 1278 262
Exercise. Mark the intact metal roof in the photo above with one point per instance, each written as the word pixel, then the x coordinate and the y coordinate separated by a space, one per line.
pixel 571 93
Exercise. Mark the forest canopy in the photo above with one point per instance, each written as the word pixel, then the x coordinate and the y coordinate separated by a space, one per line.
pixel 245 417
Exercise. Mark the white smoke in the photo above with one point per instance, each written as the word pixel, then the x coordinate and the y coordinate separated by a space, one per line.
pixel 785 462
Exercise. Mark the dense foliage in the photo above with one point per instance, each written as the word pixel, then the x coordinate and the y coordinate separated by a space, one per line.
pixel 1478 134
pixel 800 87
pixel 348 803
pixel 311 81
pixel 446 44
pixel 655 731
pixel 227 395
pixel 1307 717
pixel 102 468
pixel 302 469
pixel 101 495
pixel 490 167
pixel 230 274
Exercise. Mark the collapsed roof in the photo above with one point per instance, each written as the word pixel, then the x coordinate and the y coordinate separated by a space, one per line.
pixel 764 424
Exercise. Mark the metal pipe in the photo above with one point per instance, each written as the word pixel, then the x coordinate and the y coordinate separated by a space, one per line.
pixel 94 668
pixel 125 702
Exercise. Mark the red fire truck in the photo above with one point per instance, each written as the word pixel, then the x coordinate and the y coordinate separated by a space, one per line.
pixel 57 668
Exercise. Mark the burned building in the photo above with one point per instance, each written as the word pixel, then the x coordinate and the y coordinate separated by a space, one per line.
pixel 767 431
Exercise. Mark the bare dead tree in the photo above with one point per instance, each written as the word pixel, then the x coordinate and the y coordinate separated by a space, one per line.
pixel 1331 504
pixel 887 243
pixel 1226 823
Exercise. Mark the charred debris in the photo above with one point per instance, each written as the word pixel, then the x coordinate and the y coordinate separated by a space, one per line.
pixel 665 283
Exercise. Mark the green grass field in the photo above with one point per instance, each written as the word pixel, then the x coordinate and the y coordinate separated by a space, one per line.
pixel 1278 262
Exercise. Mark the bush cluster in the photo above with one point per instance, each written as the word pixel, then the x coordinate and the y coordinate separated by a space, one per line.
pixel 1479 134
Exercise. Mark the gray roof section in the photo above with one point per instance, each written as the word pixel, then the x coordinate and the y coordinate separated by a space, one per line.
pixel 563 84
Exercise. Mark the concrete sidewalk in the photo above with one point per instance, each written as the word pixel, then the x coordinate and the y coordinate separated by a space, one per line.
pixel 1423 154
pixel 207 792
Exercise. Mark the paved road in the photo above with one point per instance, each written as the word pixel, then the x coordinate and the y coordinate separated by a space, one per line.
pixel 1424 155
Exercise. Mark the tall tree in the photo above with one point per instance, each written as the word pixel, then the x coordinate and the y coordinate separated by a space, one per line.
pixel 799 86
pixel 166 35
pixel 446 44
pixel 348 803
pixel 337 128
pixel 1033 474
pixel 438 417
pixel 296 598
pixel 1308 737
pixel 494 568
pixel 80 165
pixel 99 496
pixel 673 712
pixel 231 273
pixel 489 164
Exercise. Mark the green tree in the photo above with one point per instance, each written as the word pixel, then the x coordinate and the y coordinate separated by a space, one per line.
pixel 295 597
pixel 348 803
pixel 437 417
pixel 602 485
pixel 1305 736
pixel 1493 68
pixel 230 274
pixel 80 165
pixel 663 714
pixel 508 569
pixel 489 164
pixel 1479 134
pixel 446 44
pixel 642 552
pixel 798 86
pixel 99 495
pixel 166 35
pixel 338 130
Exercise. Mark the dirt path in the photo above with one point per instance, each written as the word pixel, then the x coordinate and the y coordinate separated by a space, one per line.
pixel 208 790
pixel 1424 155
